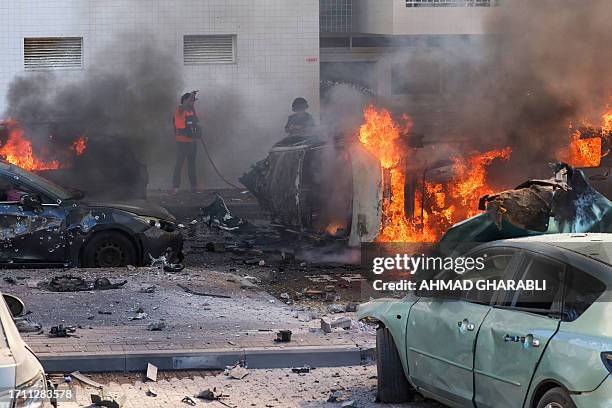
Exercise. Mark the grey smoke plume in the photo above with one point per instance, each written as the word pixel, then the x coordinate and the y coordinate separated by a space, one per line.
pixel 548 65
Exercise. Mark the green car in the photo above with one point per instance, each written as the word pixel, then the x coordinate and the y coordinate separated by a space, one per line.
pixel 510 347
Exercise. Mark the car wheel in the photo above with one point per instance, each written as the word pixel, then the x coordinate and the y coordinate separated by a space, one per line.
pixel 108 249
pixel 392 383
pixel 556 398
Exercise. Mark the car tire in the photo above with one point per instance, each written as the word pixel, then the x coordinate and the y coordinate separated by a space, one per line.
pixel 393 386
pixel 556 398
pixel 108 249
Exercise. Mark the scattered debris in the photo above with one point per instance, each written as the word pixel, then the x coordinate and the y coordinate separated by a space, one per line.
pixel 25 325
pixel 188 400
pixel 352 307
pixel 344 322
pixel 69 283
pixel 151 392
pixel 61 331
pixel 333 397
pixel 194 292
pixel 151 372
pixel 238 372
pixel 86 380
pixel 104 312
pixel 156 326
pixel 10 280
pixel 217 215
pixel 173 268
pixel 107 403
pixel 336 308
pixel 348 404
pixel 148 289
pixel 301 370
pixel 283 336
pixel 139 316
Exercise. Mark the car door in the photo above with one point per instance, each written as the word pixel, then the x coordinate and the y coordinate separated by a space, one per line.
pixel 516 332
pixel 28 235
pixel 441 335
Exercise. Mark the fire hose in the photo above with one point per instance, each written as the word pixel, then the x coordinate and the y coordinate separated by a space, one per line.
pixel 212 163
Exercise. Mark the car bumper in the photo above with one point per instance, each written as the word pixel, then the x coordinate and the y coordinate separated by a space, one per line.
pixel 600 398
pixel 157 242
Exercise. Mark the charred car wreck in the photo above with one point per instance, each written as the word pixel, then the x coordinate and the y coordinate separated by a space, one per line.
pixel 294 186
pixel 42 223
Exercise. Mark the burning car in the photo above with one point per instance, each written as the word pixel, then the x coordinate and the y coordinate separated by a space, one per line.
pixel 506 348
pixel 42 223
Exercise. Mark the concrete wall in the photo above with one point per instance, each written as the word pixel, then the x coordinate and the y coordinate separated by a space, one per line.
pixel 392 17
pixel 277 55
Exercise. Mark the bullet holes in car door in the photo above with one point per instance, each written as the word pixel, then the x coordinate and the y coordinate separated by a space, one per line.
pixel 29 233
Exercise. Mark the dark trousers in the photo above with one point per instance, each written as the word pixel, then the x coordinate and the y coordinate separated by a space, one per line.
pixel 185 151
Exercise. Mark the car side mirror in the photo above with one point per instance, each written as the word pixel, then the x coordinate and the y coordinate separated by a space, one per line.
pixel 15 305
pixel 31 201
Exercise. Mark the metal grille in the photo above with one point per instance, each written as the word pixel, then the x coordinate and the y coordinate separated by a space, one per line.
pixel 209 49
pixel 336 16
pixel 52 53
pixel 451 3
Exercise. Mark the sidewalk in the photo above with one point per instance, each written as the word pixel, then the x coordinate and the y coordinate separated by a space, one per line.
pixel 200 332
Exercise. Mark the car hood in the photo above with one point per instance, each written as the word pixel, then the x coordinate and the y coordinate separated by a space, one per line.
pixel 138 207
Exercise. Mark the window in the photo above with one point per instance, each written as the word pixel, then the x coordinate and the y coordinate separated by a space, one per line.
pixel 11 192
pixel 336 16
pixel 46 53
pixel 209 49
pixel 451 3
pixel 582 290
pixel 495 267
pixel 543 271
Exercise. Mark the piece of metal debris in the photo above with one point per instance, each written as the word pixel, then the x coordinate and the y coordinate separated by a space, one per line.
pixel 333 397
pixel 283 336
pixel 151 372
pixel 86 380
pixel 301 370
pixel 151 392
pixel 348 404
pixel 139 316
pixel 148 289
pixel 156 326
pixel 25 325
pixel 188 400
pixel 195 292
pixel 61 331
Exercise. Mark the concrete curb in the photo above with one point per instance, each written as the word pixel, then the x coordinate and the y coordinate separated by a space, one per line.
pixel 212 359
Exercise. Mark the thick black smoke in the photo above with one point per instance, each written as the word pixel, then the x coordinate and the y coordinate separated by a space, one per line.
pixel 122 99
pixel 546 65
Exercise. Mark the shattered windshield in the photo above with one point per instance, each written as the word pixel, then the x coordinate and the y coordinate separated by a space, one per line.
pixel 52 188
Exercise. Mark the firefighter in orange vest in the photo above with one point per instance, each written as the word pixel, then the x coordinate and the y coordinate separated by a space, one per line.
pixel 187 131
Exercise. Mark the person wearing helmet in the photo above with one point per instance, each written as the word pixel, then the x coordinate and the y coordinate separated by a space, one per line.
pixel 186 131
pixel 301 122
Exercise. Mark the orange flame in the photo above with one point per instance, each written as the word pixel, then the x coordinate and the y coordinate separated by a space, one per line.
pixel 18 150
pixel 588 151
pixel 442 206
pixel 79 145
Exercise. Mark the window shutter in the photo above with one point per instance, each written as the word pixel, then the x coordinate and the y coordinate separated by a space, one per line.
pixel 53 53
pixel 209 49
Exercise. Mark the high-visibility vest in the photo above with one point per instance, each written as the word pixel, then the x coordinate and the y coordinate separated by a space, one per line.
pixel 182 131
